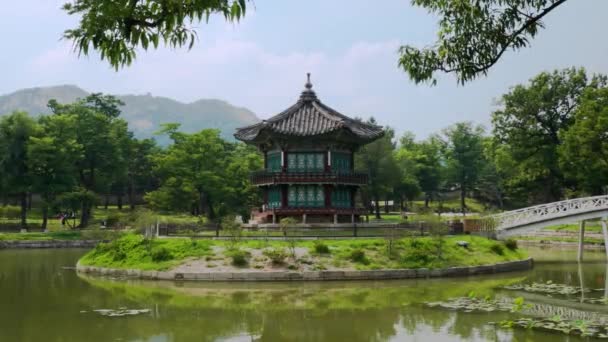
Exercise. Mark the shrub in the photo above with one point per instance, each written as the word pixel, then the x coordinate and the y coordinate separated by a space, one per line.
pixel 511 244
pixel 161 254
pixel 239 257
pixel 358 255
pixel 99 234
pixel 10 212
pixel 497 249
pixel 287 226
pixel 114 219
pixel 276 255
pixel 233 230
pixel 321 248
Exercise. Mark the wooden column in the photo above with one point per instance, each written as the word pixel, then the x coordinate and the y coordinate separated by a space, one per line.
pixel 283 160
pixel 284 194
pixel 265 160
pixel 328 189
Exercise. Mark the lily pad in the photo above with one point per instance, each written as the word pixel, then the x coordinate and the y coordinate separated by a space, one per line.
pixel 472 304
pixel 121 312
pixel 557 325
pixel 548 288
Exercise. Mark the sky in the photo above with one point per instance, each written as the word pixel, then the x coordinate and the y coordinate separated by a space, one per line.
pixel 349 46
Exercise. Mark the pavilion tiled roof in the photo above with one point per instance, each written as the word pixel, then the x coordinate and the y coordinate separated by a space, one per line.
pixel 309 117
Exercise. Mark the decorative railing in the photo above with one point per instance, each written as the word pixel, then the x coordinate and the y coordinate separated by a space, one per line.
pixel 318 210
pixel 549 211
pixel 266 177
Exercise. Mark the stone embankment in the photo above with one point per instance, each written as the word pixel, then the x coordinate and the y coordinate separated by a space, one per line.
pixel 520 265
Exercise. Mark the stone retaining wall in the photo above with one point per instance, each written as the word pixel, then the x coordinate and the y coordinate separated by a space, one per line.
pixel 313 275
pixel 49 244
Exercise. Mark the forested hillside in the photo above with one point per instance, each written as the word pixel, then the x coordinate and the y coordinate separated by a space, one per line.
pixel 144 113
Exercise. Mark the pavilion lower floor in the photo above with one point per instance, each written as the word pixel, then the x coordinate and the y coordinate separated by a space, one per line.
pixel 308 215
pixel 309 196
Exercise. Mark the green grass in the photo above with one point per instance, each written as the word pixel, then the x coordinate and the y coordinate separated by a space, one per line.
pixel 133 251
pixel 62 235
pixel 472 204
pixel 590 226
pixel 9 217
pixel 58 235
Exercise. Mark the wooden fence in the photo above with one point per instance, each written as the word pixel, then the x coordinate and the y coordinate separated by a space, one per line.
pixel 356 230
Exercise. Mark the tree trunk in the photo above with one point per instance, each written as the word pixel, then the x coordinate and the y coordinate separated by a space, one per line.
pixel 463 194
pixel 106 202
pixel 119 201
pixel 84 215
pixel 23 199
pixel 29 201
pixel 386 208
pixel 45 216
pixel 210 212
pixel 426 201
pixel 131 195
pixel 377 207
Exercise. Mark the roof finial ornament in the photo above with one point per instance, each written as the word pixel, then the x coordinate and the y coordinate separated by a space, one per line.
pixel 308 84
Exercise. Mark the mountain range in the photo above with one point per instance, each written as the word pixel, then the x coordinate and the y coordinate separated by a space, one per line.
pixel 145 113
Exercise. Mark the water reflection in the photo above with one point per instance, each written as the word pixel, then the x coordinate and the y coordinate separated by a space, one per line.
pixel 42 301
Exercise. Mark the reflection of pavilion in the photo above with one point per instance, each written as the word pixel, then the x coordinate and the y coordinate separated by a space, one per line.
pixel 309 162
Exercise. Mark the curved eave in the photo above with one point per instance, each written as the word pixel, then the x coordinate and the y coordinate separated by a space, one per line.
pixel 343 133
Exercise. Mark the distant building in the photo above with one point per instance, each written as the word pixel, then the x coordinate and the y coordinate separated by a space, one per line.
pixel 309 161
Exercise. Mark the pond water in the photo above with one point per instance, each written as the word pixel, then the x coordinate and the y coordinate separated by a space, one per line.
pixel 42 300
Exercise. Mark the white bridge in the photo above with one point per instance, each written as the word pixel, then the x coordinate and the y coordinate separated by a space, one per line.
pixel 521 221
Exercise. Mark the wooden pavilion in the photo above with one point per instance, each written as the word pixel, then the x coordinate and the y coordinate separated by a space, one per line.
pixel 309 161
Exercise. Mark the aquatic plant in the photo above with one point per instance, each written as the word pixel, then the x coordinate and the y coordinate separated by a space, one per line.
pixel 472 303
pixel 556 324
pixel 121 312
pixel 548 287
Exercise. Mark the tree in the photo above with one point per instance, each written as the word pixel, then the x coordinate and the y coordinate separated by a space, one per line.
pixel 528 127
pixel 423 161
pixel 15 132
pixel 377 160
pixel 51 160
pixel 192 173
pixel 102 137
pixel 584 152
pixel 240 194
pixel 463 157
pixel 491 187
pixel 140 174
pixel 474 35
pixel 408 186
pixel 117 28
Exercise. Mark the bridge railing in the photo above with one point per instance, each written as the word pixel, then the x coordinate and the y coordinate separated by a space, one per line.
pixel 549 211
